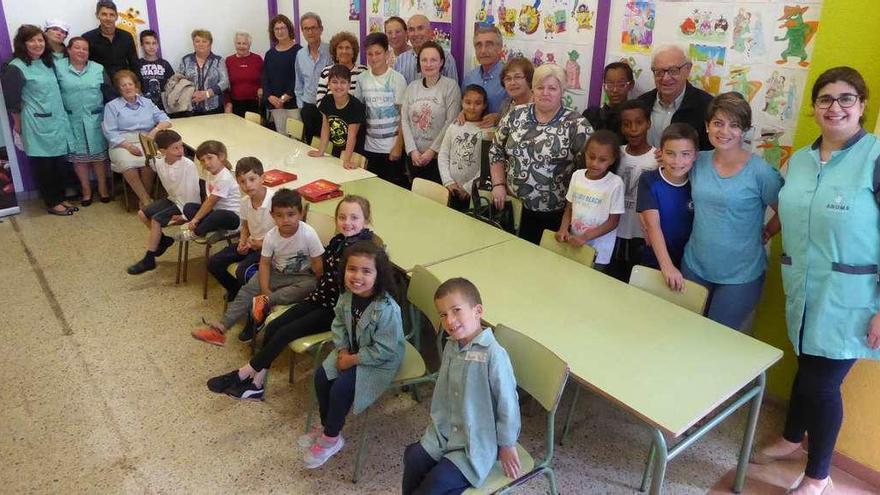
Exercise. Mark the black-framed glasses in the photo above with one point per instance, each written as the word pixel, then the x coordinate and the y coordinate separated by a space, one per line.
pixel 672 71
pixel 846 100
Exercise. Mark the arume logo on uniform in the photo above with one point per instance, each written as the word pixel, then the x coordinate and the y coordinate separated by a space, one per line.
pixel 837 204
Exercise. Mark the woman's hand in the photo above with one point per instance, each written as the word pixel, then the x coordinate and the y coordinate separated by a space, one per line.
pixel 509 461
pixel 416 158
pixel 427 156
pixel 199 96
pixel 499 196
pixel 874 332
pixel 227 107
pixel 674 278
pixel 460 119
pixel 275 102
pixel 134 150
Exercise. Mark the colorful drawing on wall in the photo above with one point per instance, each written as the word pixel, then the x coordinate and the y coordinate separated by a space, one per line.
pixel 442 34
pixel 748 34
pixel 738 80
pixel 781 95
pixel 705 25
pixel 708 66
pixel 573 70
pixel 640 65
pixel 376 24
pixel 354 10
pixel 392 7
pixel 582 15
pixel 507 19
pixel 769 144
pixel 637 34
pixel 441 10
pixel 129 20
pixel 530 18
pixel 554 21
pixel 796 33
pixel 486 16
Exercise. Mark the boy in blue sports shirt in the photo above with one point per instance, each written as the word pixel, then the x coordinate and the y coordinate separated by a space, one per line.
pixel 474 412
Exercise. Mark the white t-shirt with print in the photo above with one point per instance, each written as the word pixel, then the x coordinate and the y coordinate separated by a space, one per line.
pixel 180 180
pixel 381 94
pixel 223 185
pixel 592 202
pixel 292 255
pixel 630 169
pixel 259 220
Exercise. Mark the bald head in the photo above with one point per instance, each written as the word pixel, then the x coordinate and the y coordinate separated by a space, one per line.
pixel 419 30
pixel 671 69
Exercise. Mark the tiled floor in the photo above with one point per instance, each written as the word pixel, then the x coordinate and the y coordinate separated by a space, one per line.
pixel 102 390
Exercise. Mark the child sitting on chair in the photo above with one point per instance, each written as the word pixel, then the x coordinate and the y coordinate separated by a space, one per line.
pixel 474 412
pixel 368 348
pixel 220 209
pixel 180 179
pixel 290 264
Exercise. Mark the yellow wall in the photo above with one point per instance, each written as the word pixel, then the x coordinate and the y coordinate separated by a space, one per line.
pixel 848 34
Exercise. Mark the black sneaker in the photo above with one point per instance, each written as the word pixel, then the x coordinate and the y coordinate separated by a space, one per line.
pixel 246 390
pixel 164 243
pixel 219 384
pixel 249 331
pixel 141 266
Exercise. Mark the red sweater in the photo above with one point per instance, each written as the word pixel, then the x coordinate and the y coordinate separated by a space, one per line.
pixel 244 76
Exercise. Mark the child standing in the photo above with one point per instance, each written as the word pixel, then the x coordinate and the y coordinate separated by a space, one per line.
pixel 664 203
pixel 220 209
pixel 636 157
pixel 342 117
pixel 290 263
pixel 368 348
pixel 314 314
pixel 459 159
pixel 153 70
pixel 256 221
pixel 474 410
pixel 381 89
pixel 180 179
pixel 594 202
pixel 618 81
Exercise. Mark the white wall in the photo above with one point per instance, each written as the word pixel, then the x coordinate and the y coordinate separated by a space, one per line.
pixel 334 16
pixel 80 14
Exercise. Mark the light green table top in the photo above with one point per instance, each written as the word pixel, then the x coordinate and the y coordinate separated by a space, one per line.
pixel 416 230
pixel 244 138
pixel 666 365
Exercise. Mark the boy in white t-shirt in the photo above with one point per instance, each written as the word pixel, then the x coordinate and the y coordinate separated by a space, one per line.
pixel 594 202
pixel 290 264
pixel 219 211
pixel 256 221
pixel 180 179
pixel 381 89
pixel 636 157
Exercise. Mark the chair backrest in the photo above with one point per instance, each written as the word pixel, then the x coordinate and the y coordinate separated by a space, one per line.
pixel 517 206
pixel 540 372
pixel 359 160
pixel 324 224
pixel 316 143
pixel 253 117
pixel 431 190
pixel 422 286
pixel 584 255
pixel 148 145
pixel 651 280
pixel 295 129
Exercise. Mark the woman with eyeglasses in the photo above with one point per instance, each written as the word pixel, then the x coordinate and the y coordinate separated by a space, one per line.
pixel 831 243
pixel 516 77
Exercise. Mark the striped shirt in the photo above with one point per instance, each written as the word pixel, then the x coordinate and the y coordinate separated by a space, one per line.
pixel 322 82
pixel 383 96
pixel 406 65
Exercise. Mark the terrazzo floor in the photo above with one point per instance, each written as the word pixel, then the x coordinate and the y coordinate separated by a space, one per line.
pixel 102 390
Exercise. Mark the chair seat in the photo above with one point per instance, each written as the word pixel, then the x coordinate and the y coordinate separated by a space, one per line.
pixel 232 268
pixel 496 478
pixel 216 236
pixel 304 344
pixel 276 312
pixel 413 365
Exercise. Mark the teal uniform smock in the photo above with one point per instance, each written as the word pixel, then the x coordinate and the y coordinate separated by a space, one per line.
pixel 84 103
pixel 44 123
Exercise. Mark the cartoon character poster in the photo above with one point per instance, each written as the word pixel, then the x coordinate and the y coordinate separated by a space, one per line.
pixel 442 34
pixel 637 32
pixel 705 25
pixel 354 10
pixel 773 144
pixel 748 35
pixel 781 96
pixel 376 24
pixel 794 34
pixel 743 80
pixel 708 67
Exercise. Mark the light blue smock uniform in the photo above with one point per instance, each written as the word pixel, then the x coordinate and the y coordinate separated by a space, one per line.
pixel 84 103
pixel 43 118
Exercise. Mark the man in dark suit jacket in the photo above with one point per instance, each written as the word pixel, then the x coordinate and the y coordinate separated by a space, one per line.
pixel 111 47
pixel 675 99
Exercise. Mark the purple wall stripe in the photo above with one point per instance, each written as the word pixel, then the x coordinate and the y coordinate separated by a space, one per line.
pixel 273 8
pixel 24 168
pixel 153 20
pixel 295 20
pixel 5 40
pixel 459 21
pixel 600 49
pixel 363 22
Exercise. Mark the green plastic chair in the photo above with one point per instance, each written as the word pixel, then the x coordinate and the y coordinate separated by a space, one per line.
pixel 584 255
pixel 542 374
pixel 316 143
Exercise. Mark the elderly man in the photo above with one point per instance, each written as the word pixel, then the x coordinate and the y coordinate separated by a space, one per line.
pixel 487 47
pixel 675 99
pixel 419 30
pixel 113 48
pixel 310 61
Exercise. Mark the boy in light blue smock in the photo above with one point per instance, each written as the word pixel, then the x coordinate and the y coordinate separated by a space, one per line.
pixel 475 410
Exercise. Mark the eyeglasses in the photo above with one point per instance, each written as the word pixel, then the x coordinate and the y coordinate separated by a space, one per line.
pixel 672 71
pixel 617 85
pixel 845 100
pixel 514 77
pixel 311 28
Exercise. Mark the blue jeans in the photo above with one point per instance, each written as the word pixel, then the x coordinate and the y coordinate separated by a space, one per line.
pixel 817 409
pixel 422 475
pixel 335 398
pixel 729 304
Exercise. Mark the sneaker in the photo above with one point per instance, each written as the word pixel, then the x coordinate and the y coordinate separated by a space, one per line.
pixel 141 266
pixel 184 234
pixel 246 390
pixel 164 243
pixel 249 331
pixel 321 451
pixel 219 384
pixel 260 308
pixel 306 440
pixel 209 334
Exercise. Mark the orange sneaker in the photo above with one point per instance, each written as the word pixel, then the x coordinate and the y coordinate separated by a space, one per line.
pixel 260 309
pixel 210 334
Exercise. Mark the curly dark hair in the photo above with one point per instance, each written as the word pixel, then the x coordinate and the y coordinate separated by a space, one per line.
pixel 19 48
pixel 384 270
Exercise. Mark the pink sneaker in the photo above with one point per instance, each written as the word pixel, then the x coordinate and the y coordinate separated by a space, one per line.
pixel 209 334
pixel 322 450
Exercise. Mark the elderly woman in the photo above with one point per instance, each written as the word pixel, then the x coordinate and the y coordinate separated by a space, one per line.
pixel 207 72
pixel 34 99
pixel 533 154
pixel 831 240
pixel 344 51
pixel 731 190
pixel 83 84
pixel 279 73
pixel 124 118
pixel 245 71
pixel 398 39
pixel 516 76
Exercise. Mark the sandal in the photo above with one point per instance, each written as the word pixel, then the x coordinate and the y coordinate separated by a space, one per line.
pixel 71 208
pixel 65 213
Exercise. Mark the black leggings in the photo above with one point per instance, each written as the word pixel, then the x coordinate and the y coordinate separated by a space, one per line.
pixel 215 220
pixel 533 223
pixel 49 172
pixel 306 318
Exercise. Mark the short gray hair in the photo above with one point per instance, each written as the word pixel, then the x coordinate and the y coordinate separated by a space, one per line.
pixel 544 71
pixel 671 48
pixel 483 29
pixel 244 34
pixel 311 15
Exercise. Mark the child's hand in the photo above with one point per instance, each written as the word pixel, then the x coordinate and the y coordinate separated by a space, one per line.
pixel 177 220
pixel 191 225
pixel 349 165
pixel 509 461
pixel 242 247
pixel 396 151
pixel 344 360
pixel 562 235
pixel 316 153
pixel 416 158
pixel 577 240
pixel 255 244
pixel 674 278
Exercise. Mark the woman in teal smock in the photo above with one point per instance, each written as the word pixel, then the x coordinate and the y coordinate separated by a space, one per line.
pixel 82 89
pixel 32 95
pixel 831 243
